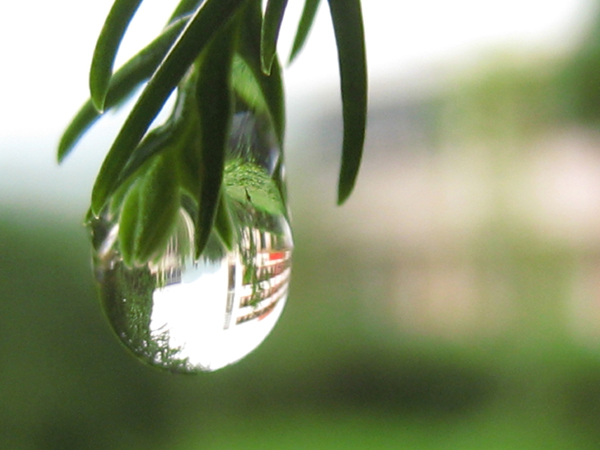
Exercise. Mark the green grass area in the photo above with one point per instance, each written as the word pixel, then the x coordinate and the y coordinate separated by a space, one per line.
pixel 323 380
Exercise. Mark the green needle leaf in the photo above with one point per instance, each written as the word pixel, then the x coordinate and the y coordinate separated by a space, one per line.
pixel 214 100
pixel 128 222
pixel 83 120
pixel 246 86
pixel 155 142
pixel 223 224
pixel 187 137
pixel 306 20
pixel 209 19
pixel 271 85
pixel 107 46
pixel 122 85
pixel 270 32
pixel 185 7
pixel 254 91
pixel 272 88
pixel 149 213
pixel 159 206
pixel 347 24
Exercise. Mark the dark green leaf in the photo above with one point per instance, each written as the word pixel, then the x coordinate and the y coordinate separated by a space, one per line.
pixel 304 26
pixel 223 224
pixel 128 224
pixel 123 83
pixel 348 27
pixel 272 88
pixel 119 196
pixel 214 100
pixel 149 213
pixel 157 141
pixel 107 46
pixel 185 7
pixel 270 85
pixel 270 32
pixel 188 145
pixel 159 206
pixel 280 184
pixel 82 121
pixel 247 87
pixel 209 19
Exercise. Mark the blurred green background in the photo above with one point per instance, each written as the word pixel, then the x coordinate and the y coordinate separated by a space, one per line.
pixel 453 303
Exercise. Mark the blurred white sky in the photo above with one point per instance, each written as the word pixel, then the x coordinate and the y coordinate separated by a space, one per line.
pixel 46 48
pixel 46 45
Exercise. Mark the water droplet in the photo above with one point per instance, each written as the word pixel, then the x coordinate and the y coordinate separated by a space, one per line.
pixel 191 315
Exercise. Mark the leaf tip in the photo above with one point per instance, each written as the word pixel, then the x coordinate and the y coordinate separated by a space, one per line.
pixel 98 200
pixel 344 193
pixel 200 242
pixel 266 63
pixel 98 100
pixel 62 152
pixel 98 84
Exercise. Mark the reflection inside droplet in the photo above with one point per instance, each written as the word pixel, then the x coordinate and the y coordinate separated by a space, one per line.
pixel 186 315
pixel 211 314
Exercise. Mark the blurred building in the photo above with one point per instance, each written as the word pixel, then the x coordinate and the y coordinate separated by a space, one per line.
pixel 477 209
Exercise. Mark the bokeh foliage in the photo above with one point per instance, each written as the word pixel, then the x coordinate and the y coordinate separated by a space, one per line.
pixel 325 379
